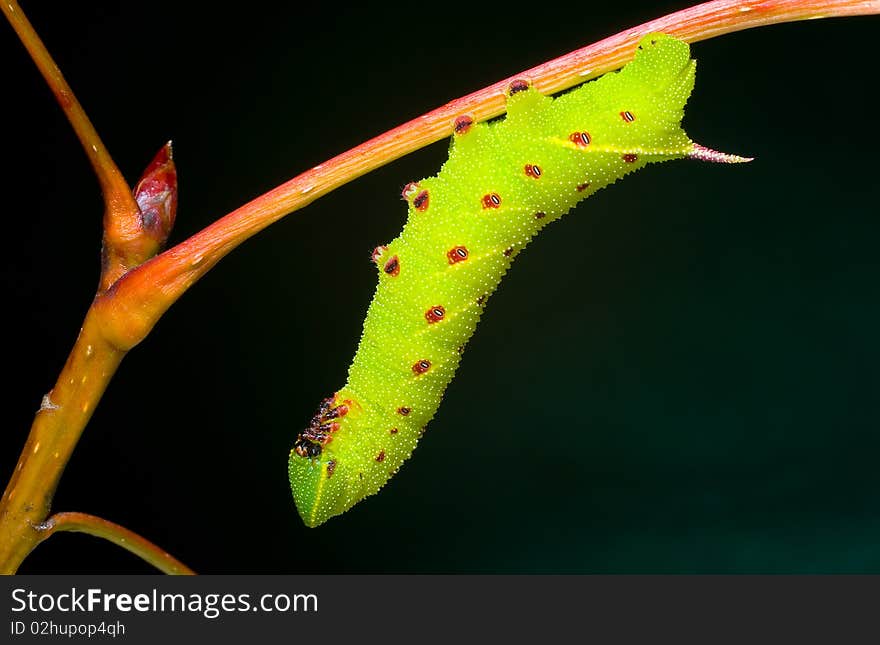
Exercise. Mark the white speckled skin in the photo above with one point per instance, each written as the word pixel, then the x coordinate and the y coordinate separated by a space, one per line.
pixel 502 183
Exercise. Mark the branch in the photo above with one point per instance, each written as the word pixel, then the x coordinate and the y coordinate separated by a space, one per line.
pixel 118 535
pixel 136 225
pixel 151 289
pixel 124 230
pixel 57 427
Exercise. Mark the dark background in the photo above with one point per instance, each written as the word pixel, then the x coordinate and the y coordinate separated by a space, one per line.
pixel 682 376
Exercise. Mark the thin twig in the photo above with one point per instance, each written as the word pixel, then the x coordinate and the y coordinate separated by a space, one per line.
pixel 118 535
pixel 122 222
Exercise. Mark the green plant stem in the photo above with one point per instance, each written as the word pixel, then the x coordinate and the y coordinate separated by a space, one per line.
pixel 118 535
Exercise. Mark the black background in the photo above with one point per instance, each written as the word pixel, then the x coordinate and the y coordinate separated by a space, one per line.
pixel 682 376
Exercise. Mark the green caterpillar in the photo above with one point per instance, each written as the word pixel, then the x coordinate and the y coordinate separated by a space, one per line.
pixel 503 182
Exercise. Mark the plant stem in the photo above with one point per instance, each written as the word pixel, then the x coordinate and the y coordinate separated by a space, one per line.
pixel 67 408
pixel 56 429
pixel 155 285
pixel 122 221
pixel 120 536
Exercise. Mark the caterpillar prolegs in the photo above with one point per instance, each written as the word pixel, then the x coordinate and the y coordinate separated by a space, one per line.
pixel 503 182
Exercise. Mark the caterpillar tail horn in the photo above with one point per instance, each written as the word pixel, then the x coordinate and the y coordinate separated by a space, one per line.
pixel 702 153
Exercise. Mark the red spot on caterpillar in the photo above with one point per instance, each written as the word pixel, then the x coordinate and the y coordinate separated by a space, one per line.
pixel 404 411
pixel 422 366
pixel 580 138
pixel 325 412
pixel 462 124
pixel 508 251
pixel 457 254
pixel 377 253
pixel 319 434
pixel 392 431
pixel 582 187
pixel 518 85
pixel 492 200
pixel 331 466
pixel 629 157
pixel 381 456
pixel 435 314
pixel 481 300
pixel 420 201
pixel 340 411
pixel 409 190
pixel 627 116
pixel 540 215
pixel 532 170
pixel 392 267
